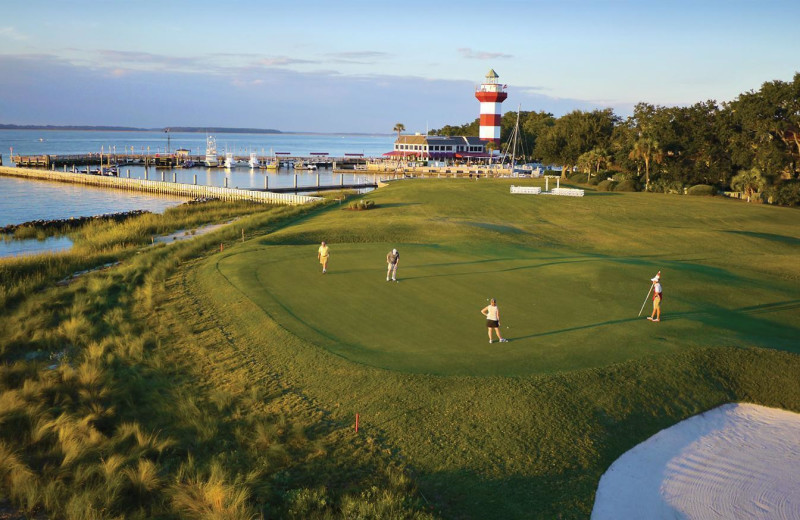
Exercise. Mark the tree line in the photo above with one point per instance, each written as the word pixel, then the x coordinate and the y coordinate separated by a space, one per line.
pixel 751 144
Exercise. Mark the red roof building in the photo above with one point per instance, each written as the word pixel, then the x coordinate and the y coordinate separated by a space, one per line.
pixel 438 147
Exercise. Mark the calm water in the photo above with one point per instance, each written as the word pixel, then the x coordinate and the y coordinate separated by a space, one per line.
pixel 29 247
pixel 27 142
pixel 24 200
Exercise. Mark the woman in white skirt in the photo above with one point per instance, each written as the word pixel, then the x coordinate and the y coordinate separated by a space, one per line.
pixel 492 314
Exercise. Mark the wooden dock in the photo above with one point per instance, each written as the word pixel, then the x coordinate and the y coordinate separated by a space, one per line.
pixel 162 187
pixel 296 189
pixel 165 160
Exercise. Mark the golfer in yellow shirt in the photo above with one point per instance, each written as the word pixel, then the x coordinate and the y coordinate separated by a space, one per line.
pixel 323 255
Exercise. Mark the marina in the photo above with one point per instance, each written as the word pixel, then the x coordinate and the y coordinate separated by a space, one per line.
pixel 159 187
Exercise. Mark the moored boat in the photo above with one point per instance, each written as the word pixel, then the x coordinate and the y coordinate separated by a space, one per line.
pixel 211 152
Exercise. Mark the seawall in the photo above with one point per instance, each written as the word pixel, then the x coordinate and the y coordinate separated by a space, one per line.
pixel 159 187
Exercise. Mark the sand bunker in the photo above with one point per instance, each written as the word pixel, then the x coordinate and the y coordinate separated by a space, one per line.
pixel 736 461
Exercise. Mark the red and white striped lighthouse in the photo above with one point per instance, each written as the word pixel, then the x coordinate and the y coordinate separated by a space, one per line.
pixel 491 95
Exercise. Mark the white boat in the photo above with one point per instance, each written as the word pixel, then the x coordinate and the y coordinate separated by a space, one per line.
pixel 230 162
pixel 300 165
pixel 211 152
pixel 254 162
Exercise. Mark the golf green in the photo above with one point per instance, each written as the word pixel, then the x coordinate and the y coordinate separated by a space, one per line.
pixel 560 310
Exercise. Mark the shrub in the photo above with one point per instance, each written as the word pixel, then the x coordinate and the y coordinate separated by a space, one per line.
pixel 702 190
pixel 788 194
pixel 627 185
pixel 578 178
pixel 594 181
pixel 360 205
pixel 623 176
pixel 663 185
pixel 606 185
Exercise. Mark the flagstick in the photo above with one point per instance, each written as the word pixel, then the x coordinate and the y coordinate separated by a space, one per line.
pixel 645 301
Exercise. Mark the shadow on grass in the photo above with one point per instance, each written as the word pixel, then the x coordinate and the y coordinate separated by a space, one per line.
pixel 593 193
pixel 396 204
pixel 519 268
pixel 466 495
pixel 745 323
pixel 741 321
pixel 768 236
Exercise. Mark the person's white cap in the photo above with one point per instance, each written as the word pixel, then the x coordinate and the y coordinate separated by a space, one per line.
pixel 394 251
pixel 655 278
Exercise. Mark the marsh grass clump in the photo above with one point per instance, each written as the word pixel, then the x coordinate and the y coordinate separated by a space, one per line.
pixel 361 205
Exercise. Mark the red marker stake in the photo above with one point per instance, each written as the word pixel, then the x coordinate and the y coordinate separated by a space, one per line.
pixel 356 423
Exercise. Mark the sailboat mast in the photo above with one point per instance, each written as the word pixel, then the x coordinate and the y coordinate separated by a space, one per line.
pixel 514 141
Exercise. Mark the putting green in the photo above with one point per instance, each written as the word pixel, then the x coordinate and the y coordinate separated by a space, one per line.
pixel 560 310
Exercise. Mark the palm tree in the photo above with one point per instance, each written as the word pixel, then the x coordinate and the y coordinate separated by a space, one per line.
pixel 399 128
pixel 647 149
pixel 749 182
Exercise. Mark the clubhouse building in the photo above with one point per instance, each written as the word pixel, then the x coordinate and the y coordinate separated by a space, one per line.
pixel 438 147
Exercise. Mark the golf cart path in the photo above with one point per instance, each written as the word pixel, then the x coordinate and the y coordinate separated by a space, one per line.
pixel 735 461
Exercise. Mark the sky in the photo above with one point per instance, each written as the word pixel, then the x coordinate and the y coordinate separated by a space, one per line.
pixel 363 66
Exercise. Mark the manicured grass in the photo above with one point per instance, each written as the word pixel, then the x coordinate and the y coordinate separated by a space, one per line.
pixel 560 311
pixel 522 430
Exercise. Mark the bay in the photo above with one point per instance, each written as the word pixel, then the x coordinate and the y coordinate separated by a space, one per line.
pixel 26 200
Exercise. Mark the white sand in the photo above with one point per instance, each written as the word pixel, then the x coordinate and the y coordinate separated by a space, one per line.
pixel 735 461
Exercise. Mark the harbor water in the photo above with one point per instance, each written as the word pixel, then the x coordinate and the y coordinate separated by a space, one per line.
pixel 26 200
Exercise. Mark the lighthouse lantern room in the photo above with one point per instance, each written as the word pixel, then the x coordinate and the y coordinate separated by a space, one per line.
pixel 491 94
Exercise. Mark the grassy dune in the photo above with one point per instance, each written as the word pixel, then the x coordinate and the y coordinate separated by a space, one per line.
pixel 192 383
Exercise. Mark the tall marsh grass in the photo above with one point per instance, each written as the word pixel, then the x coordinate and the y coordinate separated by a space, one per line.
pixel 105 411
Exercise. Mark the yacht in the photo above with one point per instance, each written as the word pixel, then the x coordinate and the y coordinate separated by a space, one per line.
pixel 253 162
pixel 211 151
pixel 230 162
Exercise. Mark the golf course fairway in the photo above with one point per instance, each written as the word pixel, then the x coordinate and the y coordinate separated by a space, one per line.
pixel 521 429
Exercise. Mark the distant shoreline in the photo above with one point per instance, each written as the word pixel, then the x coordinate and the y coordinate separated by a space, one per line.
pixel 175 129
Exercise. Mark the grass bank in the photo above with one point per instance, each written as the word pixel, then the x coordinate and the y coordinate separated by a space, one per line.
pixel 112 404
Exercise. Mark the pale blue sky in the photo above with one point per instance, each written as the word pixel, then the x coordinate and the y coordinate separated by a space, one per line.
pixel 363 66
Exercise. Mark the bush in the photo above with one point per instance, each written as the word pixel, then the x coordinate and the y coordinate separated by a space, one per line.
pixel 606 185
pixel 788 194
pixel 594 181
pixel 623 176
pixel 663 185
pixel 627 185
pixel 702 190
pixel 360 205
pixel 578 178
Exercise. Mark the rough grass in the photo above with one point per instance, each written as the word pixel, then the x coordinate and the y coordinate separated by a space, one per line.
pixel 110 408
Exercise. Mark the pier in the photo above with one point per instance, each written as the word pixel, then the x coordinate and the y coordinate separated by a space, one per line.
pixel 171 160
pixel 163 187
